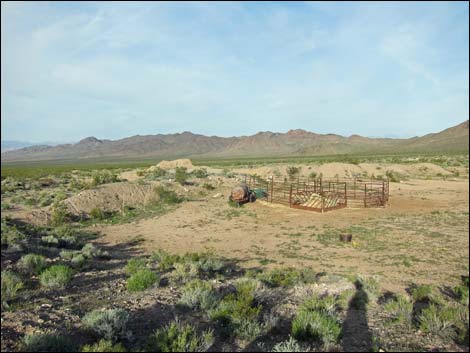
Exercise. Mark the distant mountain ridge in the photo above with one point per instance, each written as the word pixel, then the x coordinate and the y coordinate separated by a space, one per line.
pixel 263 144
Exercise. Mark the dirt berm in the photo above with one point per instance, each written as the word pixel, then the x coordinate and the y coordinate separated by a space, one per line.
pixel 111 197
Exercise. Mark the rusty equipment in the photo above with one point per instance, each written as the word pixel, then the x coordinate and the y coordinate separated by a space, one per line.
pixel 242 194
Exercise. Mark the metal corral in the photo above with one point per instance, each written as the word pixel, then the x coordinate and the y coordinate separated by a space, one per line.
pixel 321 195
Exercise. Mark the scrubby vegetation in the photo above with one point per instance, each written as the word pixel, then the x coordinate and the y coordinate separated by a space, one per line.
pixel 57 276
pixel 110 324
pixel 177 337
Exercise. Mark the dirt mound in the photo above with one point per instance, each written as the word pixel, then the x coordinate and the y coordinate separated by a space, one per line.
pixel 347 170
pixel 186 163
pixel 111 197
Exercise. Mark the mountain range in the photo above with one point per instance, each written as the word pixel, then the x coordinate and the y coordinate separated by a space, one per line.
pixel 263 144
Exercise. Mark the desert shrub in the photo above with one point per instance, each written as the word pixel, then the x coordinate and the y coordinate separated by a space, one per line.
pixel 292 171
pixel 90 251
pixel 104 346
pixel 141 280
pixel 78 261
pixel 400 309
pixel 181 176
pixel 286 277
pixel 50 240
pixel 422 293
pixel 344 298
pixel 208 265
pixel 461 292
pixel 198 294
pixel 134 265
pixel 103 177
pixel 317 326
pixel 164 260
pixel 235 309
pixel 316 320
pixel 110 324
pixel 313 175
pixel 438 320
pixel 10 235
pixel 208 186
pixel 5 206
pixel 97 214
pixel 370 286
pixel 185 271
pixel 290 345
pixel 200 173
pixel 48 342
pixel 69 254
pixel 57 276
pixel 32 263
pixel 155 174
pixel 392 176
pixel 179 338
pixel 326 304
pixel 59 214
pixel 11 284
pixel 167 196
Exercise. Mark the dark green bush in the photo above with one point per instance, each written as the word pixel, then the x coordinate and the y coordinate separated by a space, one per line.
pixel 141 280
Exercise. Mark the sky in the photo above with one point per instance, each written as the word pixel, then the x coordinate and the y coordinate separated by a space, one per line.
pixel 111 70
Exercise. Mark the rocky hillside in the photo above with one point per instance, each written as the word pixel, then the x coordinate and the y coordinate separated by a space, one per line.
pixel 294 142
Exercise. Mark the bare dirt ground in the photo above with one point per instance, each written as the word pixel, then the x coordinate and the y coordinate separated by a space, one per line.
pixel 420 237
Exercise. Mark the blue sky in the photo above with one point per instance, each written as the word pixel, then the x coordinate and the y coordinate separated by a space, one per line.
pixel 112 70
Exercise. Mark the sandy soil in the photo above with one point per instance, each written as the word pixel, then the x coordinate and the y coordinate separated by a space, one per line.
pixel 265 231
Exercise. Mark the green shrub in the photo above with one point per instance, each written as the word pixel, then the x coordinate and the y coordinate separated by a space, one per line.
pixel 11 284
pixel 69 254
pixel 104 346
pixel 133 266
pixel 179 338
pixel 32 263
pixel 50 240
pixel 208 265
pixel 370 286
pixel 164 260
pixel 103 177
pixel 438 320
pixel 48 342
pixel 180 175
pixel 235 309
pixel 110 324
pixel 78 261
pixel 290 345
pixel 185 271
pixel 422 293
pixel 141 280
pixel 286 277
pixel 200 173
pixel 392 176
pixel 208 186
pixel 97 214
pixel 167 196
pixel 57 276
pixel 461 293
pixel 292 172
pixel 59 214
pixel 326 304
pixel 316 325
pixel 90 251
pixel 10 235
pixel 198 294
pixel 316 320
pixel 401 309
pixel 155 174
